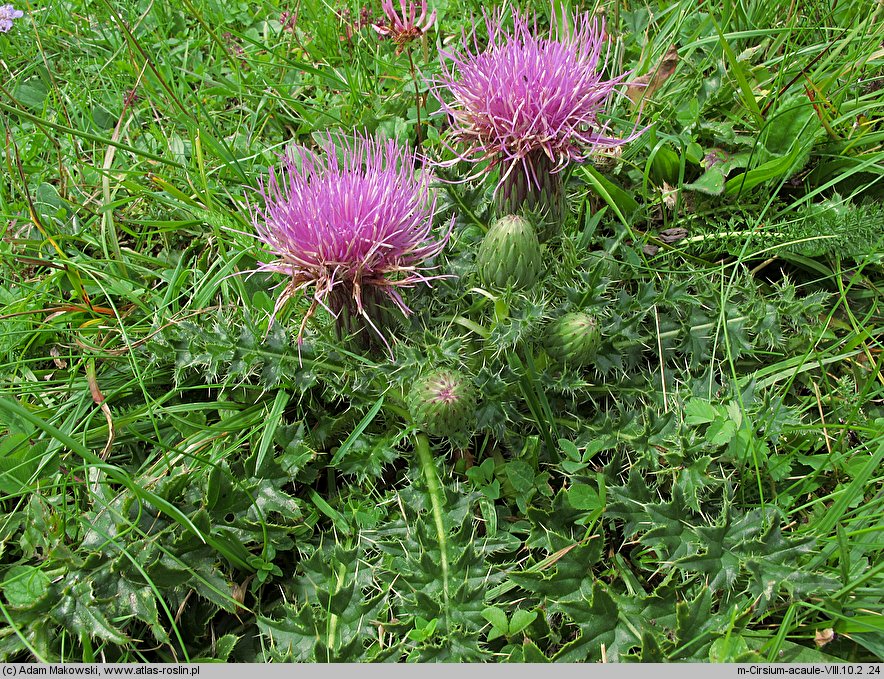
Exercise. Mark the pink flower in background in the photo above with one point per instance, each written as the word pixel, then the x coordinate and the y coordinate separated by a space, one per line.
pixel 529 102
pixel 353 223
pixel 408 26
pixel 8 14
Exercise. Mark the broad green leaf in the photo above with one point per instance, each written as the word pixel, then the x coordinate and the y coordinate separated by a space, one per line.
pixel 25 586
pixel 520 620
pixel 20 459
pixel 32 93
pixel 496 616
pixel 711 182
pixel 772 169
pixel 697 411
pixel 499 624
pixel 793 123
pixel 721 432
pixel 584 497
pixel 729 649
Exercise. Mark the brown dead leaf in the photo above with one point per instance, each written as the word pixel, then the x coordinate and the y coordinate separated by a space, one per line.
pixel 60 363
pixel 644 86
pixel 824 636
pixel 98 399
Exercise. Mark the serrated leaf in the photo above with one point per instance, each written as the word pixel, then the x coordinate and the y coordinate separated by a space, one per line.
pixel 141 602
pixel 224 647
pixel 80 613
pixel 571 580
pixel 651 651
pixel 694 620
pixel 293 635
pixel 598 624
pixel 693 479
pixel 531 653
pixel 698 411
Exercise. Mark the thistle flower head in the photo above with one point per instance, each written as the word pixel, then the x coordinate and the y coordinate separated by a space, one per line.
pixel 407 26
pixel 352 222
pixel 8 14
pixel 528 100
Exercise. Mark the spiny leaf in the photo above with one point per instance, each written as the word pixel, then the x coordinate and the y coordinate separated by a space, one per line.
pixel 596 619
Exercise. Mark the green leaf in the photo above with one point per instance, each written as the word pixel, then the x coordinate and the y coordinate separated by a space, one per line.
pixel 698 411
pixel 729 649
pixel 520 620
pixel 693 622
pixel 80 613
pixel 499 624
pixel 721 432
pixel 598 625
pixel 622 202
pixel 532 654
pixel 25 586
pixel 665 166
pixel 772 169
pixel 294 635
pixel 570 450
pixel 693 479
pixel 711 182
pixel 425 629
pixel 32 93
pixel 584 497
pixel 794 123
pixel 20 459
pixel 357 432
pixel 141 602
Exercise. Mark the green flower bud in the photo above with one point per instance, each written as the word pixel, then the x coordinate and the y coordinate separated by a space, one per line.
pixel 443 403
pixel 573 339
pixel 510 253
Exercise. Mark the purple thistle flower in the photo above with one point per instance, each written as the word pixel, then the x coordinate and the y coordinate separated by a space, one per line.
pixel 409 25
pixel 8 14
pixel 353 223
pixel 529 104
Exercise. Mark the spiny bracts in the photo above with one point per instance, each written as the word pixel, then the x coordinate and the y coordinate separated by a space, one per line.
pixel 573 339
pixel 509 254
pixel 443 403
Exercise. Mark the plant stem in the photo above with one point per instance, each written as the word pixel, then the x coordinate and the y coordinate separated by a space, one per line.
pixel 417 94
pixel 434 488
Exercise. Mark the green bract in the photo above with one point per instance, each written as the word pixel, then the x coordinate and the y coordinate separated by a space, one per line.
pixel 509 254
pixel 573 339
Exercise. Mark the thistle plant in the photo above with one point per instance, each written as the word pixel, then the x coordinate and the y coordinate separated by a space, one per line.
pixel 407 26
pixel 352 222
pixel 402 29
pixel 529 105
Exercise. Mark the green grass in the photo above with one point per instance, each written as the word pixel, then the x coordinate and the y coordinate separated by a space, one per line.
pixel 178 482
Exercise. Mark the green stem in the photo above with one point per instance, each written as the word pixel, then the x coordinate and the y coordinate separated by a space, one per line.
pixel 417 95
pixel 434 488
